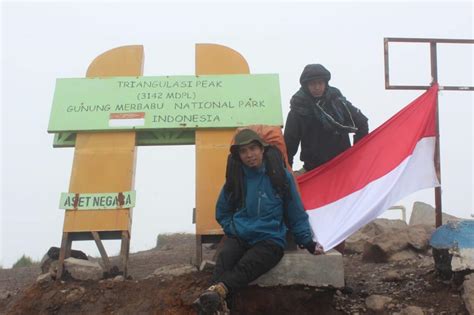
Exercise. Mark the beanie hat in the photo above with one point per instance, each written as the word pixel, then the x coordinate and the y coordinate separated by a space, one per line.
pixel 313 72
pixel 244 137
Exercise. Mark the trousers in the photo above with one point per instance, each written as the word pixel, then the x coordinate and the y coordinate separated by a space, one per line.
pixel 239 263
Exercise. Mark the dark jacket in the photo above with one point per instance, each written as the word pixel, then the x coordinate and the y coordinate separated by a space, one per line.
pixel 322 125
pixel 262 216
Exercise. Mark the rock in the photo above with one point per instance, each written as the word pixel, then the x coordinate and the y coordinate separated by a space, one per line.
pixel 53 268
pixel 83 269
pixel 423 213
pixel 412 310
pixel 392 276
pixel 379 226
pixel 119 278
pixel 356 242
pixel 376 303
pixel 174 270
pixel 468 293
pixel 75 294
pixel 207 265
pixel 385 245
pixel 5 294
pixel 44 278
pixel 53 255
pixel 403 255
pixel 397 243
pixel 419 236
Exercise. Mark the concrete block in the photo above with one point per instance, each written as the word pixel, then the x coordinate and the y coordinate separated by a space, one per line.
pixel 300 267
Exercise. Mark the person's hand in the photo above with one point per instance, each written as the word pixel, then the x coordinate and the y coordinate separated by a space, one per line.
pixel 314 248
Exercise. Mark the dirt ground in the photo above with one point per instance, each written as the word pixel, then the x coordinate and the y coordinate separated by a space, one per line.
pixel 409 283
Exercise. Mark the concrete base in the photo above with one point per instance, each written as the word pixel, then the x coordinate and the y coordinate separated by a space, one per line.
pixel 300 267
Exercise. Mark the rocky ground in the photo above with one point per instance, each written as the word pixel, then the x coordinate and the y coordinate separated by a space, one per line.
pixel 403 281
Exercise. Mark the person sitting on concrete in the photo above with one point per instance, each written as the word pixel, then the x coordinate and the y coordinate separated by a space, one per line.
pixel 257 204
pixel 321 119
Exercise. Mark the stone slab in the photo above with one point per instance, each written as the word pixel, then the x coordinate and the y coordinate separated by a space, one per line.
pixel 300 267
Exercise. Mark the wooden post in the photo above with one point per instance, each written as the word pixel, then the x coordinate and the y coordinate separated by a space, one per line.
pixel 212 146
pixel 104 163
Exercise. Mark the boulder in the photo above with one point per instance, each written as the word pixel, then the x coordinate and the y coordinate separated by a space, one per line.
pixel 53 255
pixel 81 269
pixel 419 237
pixel 423 213
pixel 395 244
pixel 356 242
pixel 380 248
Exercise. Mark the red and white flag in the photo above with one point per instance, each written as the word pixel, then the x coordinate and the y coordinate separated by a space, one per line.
pixel 388 164
pixel 126 119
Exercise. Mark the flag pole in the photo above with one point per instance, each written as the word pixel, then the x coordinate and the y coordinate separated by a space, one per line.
pixel 434 76
pixel 437 155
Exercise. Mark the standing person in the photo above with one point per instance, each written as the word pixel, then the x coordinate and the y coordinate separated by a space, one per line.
pixel 321 119
pixel 258 202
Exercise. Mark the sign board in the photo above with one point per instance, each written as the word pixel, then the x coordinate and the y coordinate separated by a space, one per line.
pixel 167 102
pixel 97 201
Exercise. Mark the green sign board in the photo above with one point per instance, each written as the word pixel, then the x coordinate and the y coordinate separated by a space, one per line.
pixel 168 102
pixel 97 201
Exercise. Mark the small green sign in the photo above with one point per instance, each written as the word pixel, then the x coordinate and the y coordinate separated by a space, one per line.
pixel 171 102
pixel 97 201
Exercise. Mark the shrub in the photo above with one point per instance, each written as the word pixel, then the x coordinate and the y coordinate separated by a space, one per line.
pixel 24 261
pixel 174 239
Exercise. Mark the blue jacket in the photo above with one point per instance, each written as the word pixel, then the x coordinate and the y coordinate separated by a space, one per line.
pixel 262 216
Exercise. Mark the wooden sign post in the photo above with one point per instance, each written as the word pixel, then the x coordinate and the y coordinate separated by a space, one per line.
pixel 107 115
pixel 104 162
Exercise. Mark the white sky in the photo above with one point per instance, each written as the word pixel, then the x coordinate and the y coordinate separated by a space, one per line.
pixel 42 41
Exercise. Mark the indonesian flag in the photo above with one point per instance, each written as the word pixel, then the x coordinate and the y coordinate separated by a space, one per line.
pixel 126 119
pixel 388 164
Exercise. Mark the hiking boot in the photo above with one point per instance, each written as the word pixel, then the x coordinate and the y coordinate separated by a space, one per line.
pixel 212 301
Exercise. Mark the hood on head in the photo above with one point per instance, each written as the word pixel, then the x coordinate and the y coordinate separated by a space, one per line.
pixel 243 137
pixel 314 71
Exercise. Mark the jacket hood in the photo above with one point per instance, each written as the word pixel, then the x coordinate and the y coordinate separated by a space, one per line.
pixel 314 71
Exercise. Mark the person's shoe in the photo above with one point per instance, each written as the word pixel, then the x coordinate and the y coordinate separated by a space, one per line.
pixel 212 301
